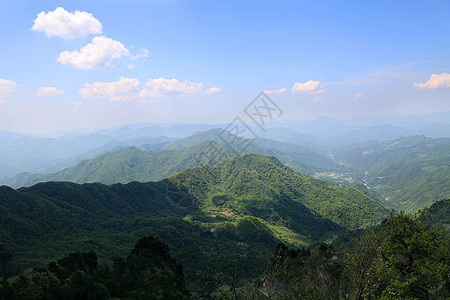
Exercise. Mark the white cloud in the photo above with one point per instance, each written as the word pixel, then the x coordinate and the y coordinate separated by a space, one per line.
pixel 77 106
pixel 130 89
pixel 126 89
pixel 97 54
pixel 310 86
pixel 435 81
pixel 212 90
pixel 279 91
pixel 49 91
pixel 67 25
pixel 162 87
pixel 143 54
pixel 7 87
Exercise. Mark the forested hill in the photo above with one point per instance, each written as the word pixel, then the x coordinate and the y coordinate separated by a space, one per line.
pixel 246 204
pixel 263 186
pixel 437 213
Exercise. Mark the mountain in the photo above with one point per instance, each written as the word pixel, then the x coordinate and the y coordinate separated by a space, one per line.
pixel 330 134
pixel 6 171
pixel 131 164
pixel 412 172
pixel 121 166
pixel 264 187
pixel 238 209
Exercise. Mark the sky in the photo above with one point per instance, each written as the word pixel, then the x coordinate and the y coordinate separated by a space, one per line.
pixel 95 64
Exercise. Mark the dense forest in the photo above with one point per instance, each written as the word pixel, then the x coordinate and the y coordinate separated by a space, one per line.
pixel 148 272
pixel 403 258
pixel 207 216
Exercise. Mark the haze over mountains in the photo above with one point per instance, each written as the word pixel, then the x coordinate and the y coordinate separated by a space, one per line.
pixel 103 190
pixel 409 170
pixel 47 154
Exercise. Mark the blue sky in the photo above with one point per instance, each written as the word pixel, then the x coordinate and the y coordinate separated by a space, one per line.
pixel 85 64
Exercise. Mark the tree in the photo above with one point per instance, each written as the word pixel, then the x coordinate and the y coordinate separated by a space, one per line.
pixel 5 259
pixel 403 258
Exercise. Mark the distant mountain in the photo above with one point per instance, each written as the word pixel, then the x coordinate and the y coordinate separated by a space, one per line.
pixel 330 134
pixel 121 166
pixel 131 164
pixel 31 153
pixel 6 171
pixel 412 172
pixel 199 136
pixel 238 209
pixel 133 131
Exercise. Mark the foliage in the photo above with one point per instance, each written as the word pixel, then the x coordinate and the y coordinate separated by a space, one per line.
pixel 263 187
pixel 235 210
pixel 149 272
pixel 403 258
pixel 437 214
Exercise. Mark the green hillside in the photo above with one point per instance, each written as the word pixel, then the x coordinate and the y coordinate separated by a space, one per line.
pixel 412 172
pixel 263 186
pixel 236 210
pixel 437 213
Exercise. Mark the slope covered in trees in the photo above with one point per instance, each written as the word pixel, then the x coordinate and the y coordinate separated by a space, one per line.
pixel 235 210
pixel 437 213
pixel 403 258
pixel 263 186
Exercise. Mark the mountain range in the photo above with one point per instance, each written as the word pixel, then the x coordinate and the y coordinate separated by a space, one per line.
pixel 240 207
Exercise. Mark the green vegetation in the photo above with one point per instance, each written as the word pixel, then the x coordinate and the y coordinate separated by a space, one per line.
pixel 236 210
pixel 437 214
pixel 148 272
pixel 412 172
pixel 401 259
pixel 262 186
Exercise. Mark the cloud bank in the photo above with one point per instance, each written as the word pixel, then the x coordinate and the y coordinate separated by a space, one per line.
pixel 126 89
pixel 130 89
pixel 162 87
